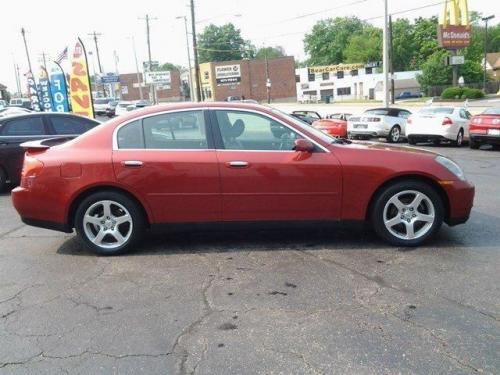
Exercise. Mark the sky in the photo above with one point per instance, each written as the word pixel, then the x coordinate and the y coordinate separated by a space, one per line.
pixel 52 25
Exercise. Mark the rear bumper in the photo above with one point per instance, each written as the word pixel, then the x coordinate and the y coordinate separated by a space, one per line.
pixel 427 137
pixel 37 209
pixel 481 138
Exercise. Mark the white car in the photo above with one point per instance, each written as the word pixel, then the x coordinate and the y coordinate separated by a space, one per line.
pixel 3 104
pixel 436 124
pixel 389 123
pixel 121 107
pixel 100 105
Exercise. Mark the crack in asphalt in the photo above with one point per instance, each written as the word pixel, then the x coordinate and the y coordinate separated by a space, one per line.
pixel 300 356
pixel 2 235
pixel 188 330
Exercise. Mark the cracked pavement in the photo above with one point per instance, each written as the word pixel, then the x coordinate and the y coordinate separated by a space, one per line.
pixel 330 300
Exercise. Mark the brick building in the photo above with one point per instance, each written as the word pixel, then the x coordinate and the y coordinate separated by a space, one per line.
pixel 247 78
pixel 166 93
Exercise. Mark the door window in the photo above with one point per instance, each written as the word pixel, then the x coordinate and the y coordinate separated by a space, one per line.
pixel 26 126
pixel 404 114
pixel 251 131
pixel 130 136
pixel 176 131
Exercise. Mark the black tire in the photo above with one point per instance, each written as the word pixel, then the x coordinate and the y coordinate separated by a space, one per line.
pixel 474 144
pixel 459 142
pixel 394 135
pixel 383 197
pixel 136 228
pixel 412 141
pixel 3 180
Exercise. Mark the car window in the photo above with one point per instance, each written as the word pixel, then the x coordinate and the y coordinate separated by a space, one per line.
pixel 130 136
pixel 437 110
pixel 492 111
pixel 24 127
pixel 64 125
pixel 463 114
pixel 251 131
pixel 379 112
pixel 176 131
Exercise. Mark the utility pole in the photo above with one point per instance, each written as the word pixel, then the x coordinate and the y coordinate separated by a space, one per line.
pixel 18 80
pixel 150 61
pixel 191 86
pixel 391 59
pixel 486 19
pixel 195 52
pixel 44 60
pixel 23 33
pixel 385 59
pixel 94 35
pixel 139 80
pixel 268 81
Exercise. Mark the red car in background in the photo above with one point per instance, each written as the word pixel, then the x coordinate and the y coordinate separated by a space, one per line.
pixel 334 125
pixel 485 128
pixel 238 163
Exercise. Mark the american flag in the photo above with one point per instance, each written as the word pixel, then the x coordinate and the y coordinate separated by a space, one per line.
pixel 62 56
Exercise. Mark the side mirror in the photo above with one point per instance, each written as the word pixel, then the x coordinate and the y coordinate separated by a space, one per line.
pixel 303 145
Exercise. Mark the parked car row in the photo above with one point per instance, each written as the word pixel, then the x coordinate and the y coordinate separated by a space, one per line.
pixel 434 124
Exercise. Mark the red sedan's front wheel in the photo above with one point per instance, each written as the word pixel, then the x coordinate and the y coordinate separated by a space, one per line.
pixel 407 213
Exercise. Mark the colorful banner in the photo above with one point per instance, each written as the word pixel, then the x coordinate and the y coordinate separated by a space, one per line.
pixel 79 83
pixel 58 89
pixel 44 91
pixel 454 30
pixel 33 92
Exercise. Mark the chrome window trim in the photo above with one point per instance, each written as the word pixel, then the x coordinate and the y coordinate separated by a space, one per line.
pixel 115 131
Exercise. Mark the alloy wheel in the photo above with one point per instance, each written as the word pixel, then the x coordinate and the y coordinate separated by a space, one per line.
pixel 409 215
pixel 107 224
pixel 395 134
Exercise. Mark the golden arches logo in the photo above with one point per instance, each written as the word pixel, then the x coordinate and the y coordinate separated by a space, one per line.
pixel 455 13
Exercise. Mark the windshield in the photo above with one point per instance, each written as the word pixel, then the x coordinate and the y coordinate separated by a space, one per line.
pixel 302 125
pixel 436 110
pixel 123 105
pixel 379 112
pixel 492 111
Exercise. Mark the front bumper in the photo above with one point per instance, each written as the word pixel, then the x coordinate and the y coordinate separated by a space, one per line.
pixel 460 199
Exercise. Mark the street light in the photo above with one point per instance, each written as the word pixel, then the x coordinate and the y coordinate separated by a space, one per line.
pixel 191 88
pixel 486 19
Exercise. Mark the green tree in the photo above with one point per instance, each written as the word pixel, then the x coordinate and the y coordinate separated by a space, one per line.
pixel 425 40
pixel 403 42
pixel 364 47
pixel 270 52
pixel 223 43
pixel 435 72
pixel 472 71
pixel 169 66
pixel 326 43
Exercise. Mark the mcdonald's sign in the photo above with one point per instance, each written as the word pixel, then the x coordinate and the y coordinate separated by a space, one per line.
pixel 454 29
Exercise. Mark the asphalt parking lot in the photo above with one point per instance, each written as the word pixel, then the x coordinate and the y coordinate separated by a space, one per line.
pixel 313 301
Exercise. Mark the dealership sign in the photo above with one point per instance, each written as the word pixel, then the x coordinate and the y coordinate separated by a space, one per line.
pixel 159 78
pixel 79 83
pixel 227 74
pixel 335 68
pixel 454 29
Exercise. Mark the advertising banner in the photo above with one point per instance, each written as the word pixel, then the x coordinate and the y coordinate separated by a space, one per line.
pixel 79 83
pixel 158 78
pixel 58 89
pixel 33 92
pixel 227 75
pixel 45 96
pixel 335 68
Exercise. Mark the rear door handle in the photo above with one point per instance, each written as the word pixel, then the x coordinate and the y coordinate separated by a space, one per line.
pixel 237 164
pixel 132 163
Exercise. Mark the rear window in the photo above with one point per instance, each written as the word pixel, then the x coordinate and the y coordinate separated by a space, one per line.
pixel 437 111
pixel 377 112
pixel 101 101
pixel 492 111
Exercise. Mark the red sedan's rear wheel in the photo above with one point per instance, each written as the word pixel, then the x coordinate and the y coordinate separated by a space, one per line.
pixel 407 213
pixel 109 223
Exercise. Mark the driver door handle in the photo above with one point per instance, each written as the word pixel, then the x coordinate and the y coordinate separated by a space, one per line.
pixel 132 163
pixel 237 164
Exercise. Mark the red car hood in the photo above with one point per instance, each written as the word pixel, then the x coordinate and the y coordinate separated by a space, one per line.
pixel 375 146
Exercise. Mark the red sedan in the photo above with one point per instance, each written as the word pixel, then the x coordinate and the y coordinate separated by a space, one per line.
pixel 334 125
pixel 485 128
pixel 234 163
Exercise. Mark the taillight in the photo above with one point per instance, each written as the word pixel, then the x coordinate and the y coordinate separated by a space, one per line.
pixel 476 120
pixel 31 169
pixel 447 121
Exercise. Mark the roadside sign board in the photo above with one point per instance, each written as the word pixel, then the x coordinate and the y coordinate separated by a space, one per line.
pixel 228 75
pixel 109 78
pixel 158 78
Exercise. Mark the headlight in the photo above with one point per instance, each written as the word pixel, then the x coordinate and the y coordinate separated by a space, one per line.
pixel 451 166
